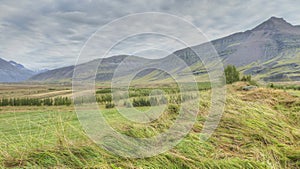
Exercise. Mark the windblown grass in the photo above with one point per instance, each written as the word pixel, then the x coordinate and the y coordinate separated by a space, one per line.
pixel 259 129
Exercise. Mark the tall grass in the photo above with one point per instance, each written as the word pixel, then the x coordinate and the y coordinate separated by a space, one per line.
pixel 259 129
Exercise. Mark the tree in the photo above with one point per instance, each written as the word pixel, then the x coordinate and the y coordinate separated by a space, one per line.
pixel 48 102
pixel 231 74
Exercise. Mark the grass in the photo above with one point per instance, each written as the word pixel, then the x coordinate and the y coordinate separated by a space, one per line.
pixel 259 129
pixel 281 65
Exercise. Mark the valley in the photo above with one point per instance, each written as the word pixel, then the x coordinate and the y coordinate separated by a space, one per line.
pixel 42 113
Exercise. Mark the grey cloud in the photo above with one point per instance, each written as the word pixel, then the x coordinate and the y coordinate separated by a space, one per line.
pixel 50 34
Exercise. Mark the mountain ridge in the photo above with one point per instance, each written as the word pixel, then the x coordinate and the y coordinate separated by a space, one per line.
pixel 272 44
pixel 273 23
pixel 11 71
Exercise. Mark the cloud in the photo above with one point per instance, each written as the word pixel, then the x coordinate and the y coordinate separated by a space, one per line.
pixel 50 33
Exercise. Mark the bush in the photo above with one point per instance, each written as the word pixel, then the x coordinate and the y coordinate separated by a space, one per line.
pixel 58 101
pixel 48 102
pixel 246 78
pixel 109 105
pixel 253 83
pixel 231 74
pixel 175 99
pixel 104 98
pixel 173 108
pixel 284 87
pixel 140 102
pixel 103 91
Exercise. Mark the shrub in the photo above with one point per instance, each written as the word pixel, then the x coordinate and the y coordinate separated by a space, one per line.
pixel 231 74
pixel 109 105
pixel 173 108
pixel 58 101
pixel 284 87
pixel 246 78
pixel 103 91
pixel 253 83
pixel 48 102
pixel 104 98
pixel 141 102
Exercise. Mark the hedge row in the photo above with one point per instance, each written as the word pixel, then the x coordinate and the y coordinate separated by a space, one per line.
pixel 35 101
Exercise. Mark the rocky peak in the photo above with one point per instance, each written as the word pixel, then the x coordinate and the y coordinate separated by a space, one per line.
pixel 275 24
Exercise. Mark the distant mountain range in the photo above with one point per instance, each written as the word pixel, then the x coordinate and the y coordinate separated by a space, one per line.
pixel 269 52
pixel 11 71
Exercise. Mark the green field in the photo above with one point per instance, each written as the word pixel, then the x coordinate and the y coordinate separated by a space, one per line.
pixel 259 129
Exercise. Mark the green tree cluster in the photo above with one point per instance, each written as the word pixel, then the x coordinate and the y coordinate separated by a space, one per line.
pixel 35 101
pixel 141 102
pixel 59 101
pixel 231 74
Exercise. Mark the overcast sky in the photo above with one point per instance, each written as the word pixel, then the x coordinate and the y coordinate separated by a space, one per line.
pixel 49 34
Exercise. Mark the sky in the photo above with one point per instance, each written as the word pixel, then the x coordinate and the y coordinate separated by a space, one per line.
pixel 48 34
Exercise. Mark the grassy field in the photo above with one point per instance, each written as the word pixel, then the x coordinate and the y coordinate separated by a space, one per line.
pixel 259 129
pixel 34 90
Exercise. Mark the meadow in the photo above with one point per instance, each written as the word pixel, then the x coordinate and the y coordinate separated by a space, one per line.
pixel 259 129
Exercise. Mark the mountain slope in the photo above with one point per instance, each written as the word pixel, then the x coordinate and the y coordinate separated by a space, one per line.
pixel 13 72
pixel 270 52
pixel 105 70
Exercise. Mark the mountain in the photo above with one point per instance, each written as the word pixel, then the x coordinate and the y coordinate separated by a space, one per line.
pixel 11 71
pixel 105 71
pixel 269 52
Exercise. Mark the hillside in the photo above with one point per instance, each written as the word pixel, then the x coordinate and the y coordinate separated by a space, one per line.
pixel 11 71
pixel 270 51
pixel 259 129
pixel 105 70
